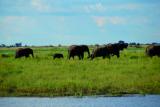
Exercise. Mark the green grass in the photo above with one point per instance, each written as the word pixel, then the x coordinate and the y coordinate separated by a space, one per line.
pixel 132 73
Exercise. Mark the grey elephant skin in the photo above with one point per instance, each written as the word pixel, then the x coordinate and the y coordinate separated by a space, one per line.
pixel 153 50
pixel 108 50
pixel 57 55
pixel 78 50
pixel 100 52
pixel 114 49
pixel 24 52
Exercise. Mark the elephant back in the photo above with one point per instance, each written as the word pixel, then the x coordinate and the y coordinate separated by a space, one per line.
pixel 153 50
pixel 20 52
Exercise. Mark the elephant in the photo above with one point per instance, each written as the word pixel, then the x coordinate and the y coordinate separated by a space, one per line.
pixel 57 55
pixel 75 50
pixel 100 52
pixel 24 52
pixel 78 50
pixel 122 46
pixel 85 48
pixel 153 50
pixel 114 49
pixel 5 55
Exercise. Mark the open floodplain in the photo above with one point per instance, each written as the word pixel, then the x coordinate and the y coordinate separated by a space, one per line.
pixel 132 73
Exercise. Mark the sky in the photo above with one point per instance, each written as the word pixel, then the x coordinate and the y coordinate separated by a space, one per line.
pixel 66 22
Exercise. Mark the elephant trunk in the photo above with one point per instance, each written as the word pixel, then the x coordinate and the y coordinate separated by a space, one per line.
pixel 32 55
pixel 88 53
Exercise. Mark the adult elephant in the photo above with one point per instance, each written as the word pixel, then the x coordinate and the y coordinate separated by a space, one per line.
pixel 122 46
pixel 85 48
pixel 114 49
pixel 21 52
pixel 100 52
pixel 75 50
pixel 153 50
pixel 78 50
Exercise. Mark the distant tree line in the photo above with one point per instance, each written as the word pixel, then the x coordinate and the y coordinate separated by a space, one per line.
pixel 132 44
pixel 14 45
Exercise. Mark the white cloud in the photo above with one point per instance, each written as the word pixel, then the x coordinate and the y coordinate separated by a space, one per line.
pixel 101 21
pixel 14 20
pixel 104 7
pixel 16 24
pixel 9 19
pixel 93 8
pixel 40 6
pixel 98 7
pixel 129 6
pixel 125 6
pixel 10 22
pixel 116 20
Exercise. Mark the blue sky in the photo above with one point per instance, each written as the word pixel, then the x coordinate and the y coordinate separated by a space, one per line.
pixel 46 22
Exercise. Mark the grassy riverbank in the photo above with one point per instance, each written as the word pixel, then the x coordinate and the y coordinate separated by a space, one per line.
pixel 132 73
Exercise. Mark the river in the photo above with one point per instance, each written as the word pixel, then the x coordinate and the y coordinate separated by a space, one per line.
pixel 86 101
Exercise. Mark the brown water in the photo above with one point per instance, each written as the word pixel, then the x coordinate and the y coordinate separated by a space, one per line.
pixel 95 101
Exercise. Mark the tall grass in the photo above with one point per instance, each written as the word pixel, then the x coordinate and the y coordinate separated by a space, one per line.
pixel 132 73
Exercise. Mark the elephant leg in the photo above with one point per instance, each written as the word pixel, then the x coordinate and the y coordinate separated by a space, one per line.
pixel 82 56
pixel 117 54
pixel 69 57
pixel 92 57
pixel 108 56
pixel 104 57
pixel 79 56
pixel 27 56
pixel 32 55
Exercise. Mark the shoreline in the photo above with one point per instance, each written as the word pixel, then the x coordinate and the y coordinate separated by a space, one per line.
pixel 79 96
pixel 90 96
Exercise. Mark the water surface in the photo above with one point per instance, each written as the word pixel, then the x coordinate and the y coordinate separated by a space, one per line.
pixel 129 101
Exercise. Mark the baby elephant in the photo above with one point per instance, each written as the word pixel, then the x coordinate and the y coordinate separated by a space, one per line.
pixel 5 55
pixel 57 55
